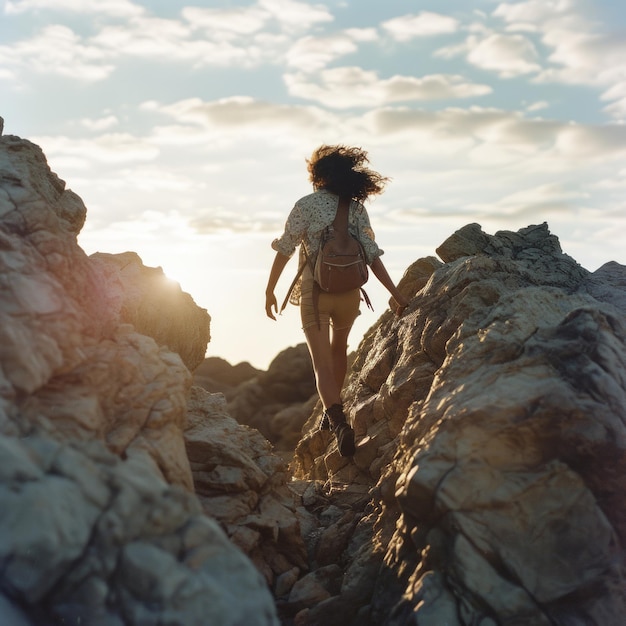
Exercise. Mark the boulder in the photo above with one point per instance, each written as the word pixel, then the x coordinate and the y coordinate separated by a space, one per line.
pixel 244 486
pixel 217 375
pixel 154 304
pixel 98 520
pixel 491 430
pixel 278 401
pixel 86 537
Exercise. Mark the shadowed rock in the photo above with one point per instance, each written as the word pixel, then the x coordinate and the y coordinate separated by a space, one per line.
pixel 491 424
pixel 98 522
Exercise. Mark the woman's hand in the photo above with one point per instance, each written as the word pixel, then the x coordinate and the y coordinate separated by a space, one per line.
pixel 271 306
pixel 270 303
pixel 398 304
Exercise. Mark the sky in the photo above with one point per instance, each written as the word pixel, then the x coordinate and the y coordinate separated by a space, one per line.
pixel 185 128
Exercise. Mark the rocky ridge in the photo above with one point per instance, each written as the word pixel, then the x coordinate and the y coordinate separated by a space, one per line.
pixel 487 485
pixel 491 420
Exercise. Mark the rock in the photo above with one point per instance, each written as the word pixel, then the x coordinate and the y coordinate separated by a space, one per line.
pixel 219 376
pixel 416 276
pixel 316 586
pixel 155 305
pixel 468 241
pixel 491 433
pixel 86 537
pixel 243 485
pixel 98 524
pixel 279 401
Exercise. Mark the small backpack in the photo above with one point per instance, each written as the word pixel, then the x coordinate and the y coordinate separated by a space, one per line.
pixel 341 263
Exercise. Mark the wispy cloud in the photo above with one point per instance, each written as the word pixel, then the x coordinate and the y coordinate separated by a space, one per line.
pixel 581 51
pixel 114 8
pixel 507 55
pixel 256 116
pixel 310 54
pixel 347 87
pixel 99 124
pixel 424 24
pixel 112 148
pixel 57 50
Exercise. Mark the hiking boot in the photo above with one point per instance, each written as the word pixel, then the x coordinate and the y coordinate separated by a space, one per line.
pixel 341 429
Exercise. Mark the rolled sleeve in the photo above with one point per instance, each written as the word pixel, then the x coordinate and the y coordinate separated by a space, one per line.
pixel 295 227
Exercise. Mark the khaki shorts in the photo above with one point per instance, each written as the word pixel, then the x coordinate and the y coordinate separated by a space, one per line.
pixel 338 310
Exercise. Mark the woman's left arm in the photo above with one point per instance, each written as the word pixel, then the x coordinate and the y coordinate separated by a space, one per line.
pixel 380 271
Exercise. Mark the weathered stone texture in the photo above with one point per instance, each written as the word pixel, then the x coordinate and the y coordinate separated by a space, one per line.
pixel 86 538
pixel 492 428
pixel 98 522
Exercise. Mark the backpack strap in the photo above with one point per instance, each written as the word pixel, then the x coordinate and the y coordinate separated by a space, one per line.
pixel 343 211
pixel 295 280
pixel 342 214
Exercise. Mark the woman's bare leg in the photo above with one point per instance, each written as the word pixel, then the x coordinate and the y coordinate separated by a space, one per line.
pixel 318 341
pixel 339 350
pixel 330 364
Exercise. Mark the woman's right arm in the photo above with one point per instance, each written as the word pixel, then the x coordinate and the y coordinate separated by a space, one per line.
pixel 271 305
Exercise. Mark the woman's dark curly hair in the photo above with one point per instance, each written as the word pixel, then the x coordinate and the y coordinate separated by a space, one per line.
pixel 341 170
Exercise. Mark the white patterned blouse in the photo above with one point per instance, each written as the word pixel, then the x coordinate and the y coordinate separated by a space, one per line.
pixel 307 220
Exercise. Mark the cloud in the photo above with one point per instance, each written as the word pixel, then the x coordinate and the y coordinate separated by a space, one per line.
pixel 425 24
pixel 508 55
pixel 346 87
pixel 226 24
pixel 100 124
pixel 539 12
pixel 497 136
pixel 242 112
pixel 310 54
pixel 116 8
pixel 545 197
pixel 292 15
pixel 244 37
pixel 117 148
pixel 537 106
pixel 580 51
pixel 232 23
pixel 57 50
pixel 213 220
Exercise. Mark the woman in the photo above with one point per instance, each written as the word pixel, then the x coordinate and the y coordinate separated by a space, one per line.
pixel 338 173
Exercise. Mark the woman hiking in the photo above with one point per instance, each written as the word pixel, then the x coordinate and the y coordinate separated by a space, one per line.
pixel 341 183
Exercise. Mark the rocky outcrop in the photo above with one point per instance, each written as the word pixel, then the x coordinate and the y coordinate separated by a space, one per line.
pixel 88 538
pixel 276 402
pixel 155 305
pixel 492 431
pixel 243 485
pixel 98 520
pixel 217 375
pixel 72 365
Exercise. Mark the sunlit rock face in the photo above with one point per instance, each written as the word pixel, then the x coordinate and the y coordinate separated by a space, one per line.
pixel 491 425
pixel 99 524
